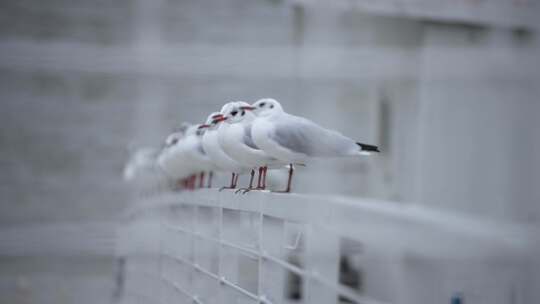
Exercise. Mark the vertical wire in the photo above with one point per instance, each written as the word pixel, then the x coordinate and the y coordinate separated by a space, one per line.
pixel 306 276
pixel 160 256
pixel 260 291
pixel 194 260
pixel 220 251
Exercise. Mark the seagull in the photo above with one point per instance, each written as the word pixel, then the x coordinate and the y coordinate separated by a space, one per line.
pixel 211 145
pixel 295 139
pixel 235 139
pixel 142 170
pixel 171 158
pixel 183 156
pixel 196 156
pixel 141 160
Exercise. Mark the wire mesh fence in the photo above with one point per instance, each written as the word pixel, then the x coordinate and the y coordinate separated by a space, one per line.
pixel 211 247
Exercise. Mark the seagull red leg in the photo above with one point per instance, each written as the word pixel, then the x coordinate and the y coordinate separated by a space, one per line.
pixel 189 181
pixel 210 177
pixel 259 179
pixel 265 170
pixel 245 190
pixel 233 182
pixel 201 180
pixel 289 181
pixel 261 183
pixel 180 184
pixel 251 179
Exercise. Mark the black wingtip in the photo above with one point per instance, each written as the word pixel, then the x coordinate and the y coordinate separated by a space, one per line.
pixel 368 148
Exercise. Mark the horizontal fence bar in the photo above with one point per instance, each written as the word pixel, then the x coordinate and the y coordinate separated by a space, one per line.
pixel 429 232
pixel 245 249
pixel 181 290
pixel 288 266
pixel 240 289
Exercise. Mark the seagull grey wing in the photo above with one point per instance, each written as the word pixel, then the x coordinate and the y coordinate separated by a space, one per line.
pixel 304 136
pixel 293 136
pixel 247 139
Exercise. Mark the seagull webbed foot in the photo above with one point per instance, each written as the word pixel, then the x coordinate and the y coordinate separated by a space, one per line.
pixel 223 188
pixel 245 190
pixel 281 191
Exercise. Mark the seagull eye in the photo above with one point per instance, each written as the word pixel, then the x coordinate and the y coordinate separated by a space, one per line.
pixel 233 113
pixel 271 106
pixel 174 141
pixel 262 104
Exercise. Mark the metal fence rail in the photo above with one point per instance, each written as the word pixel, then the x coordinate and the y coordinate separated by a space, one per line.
pixel 212 247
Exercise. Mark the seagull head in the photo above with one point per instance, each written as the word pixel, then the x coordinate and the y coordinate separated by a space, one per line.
pixel 226 107
pixel 240 111
pixel 213 120
pixel 177 134
pixel 182 129
pixel 173 139
pixel 266 107
pixel 192 130
pixel 201 128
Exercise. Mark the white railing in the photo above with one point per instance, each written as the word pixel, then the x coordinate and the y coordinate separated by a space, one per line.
pixel 217 247
pixel 499 13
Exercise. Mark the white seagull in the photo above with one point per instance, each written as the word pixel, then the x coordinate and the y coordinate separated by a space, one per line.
pixel 235 139
pixel 185 157
pixel 211 145
pixel 296 139
pixel 141 160
pixel 142 171
pixel 196 155
pixel 171 158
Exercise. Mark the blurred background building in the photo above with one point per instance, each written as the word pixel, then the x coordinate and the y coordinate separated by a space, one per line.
pixel 448 89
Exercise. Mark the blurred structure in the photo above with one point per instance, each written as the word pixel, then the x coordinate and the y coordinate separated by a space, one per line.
pixel 218 247
pixel 448 89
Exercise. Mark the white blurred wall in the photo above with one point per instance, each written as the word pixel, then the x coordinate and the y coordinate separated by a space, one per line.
pixel 453 105
pixel 477 124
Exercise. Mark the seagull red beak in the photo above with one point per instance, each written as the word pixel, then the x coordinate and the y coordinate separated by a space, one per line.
pixel 217 116
pixel 203 126
pixel 220 119
pixel 249 108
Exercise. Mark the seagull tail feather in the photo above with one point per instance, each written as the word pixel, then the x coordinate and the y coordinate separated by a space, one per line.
pixel 368 148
